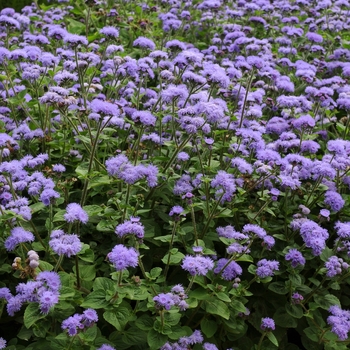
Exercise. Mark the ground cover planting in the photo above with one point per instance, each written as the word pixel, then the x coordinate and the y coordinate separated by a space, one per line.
pixel 175 175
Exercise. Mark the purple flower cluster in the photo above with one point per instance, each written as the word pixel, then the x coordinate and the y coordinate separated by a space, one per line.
pixel 295 257
pixel 314 236
pixel 75 213
pixel 131 227
pixel 120 167
pixel 79 322
pixel 187 342
pixel 335 266
pixel 267 324
pixel 122 257
pixel 44 290
pixel 18 235
pixel 175 298
pixel 197 265
pixel 231 271
pixel 64 244
pixel 266 268
pixel 339 321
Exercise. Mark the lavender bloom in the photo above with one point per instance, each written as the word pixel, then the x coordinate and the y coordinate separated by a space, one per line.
pixel 64 244
pixel 225 183
pixel 163 300
pixel 297 298
pixel 144 43
pixel 231 271
pixel 59 168
pixel 295 257
pixel 144 117
pixel 209 346
pixel 314 37
pixel 334 266
pixel 266 268
pixel 132 227
pixel 79 321
pixel 314 236
pixel 197 265
pixel 325 213
pixel 5 293
pixel 48 196
pixel 47 300
pixel 122 257
pixel 255 229
pixel 18 235
pixel 183 156
pixel 2 343
pixel 50 279
pixel 343 229
pixel 339 321
pixel 106 347
pixel 176 210
pixel 74 212
pixel 230 232
pixel 334 200
pixel 75 40
pixel 242 165
pixel 267 324
pixel 110 32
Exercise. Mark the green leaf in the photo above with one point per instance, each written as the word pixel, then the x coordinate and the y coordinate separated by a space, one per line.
pixel 326 301
pixel 25 333
pixel 75 27
pixel 272 338
pixel 296 280
pixel 217 307
pixel 175 258
pixel 45 265
pixel 311 333
pixel 86 272
pixel 88 255
pixel 96 300
pixel 82 171
pixel 99 181
pixel 178 332
pixel 134 292
pixel 283 319
pixel 278 288
pixel 295 310
pixel 40 328
pixel 32 314
pixel 223 296
pixel 89 334
pixel 118 317
pixel 66 293
pixel 172 319
pixel 326 254
pixel 133 336
pixel 156 340
pixel 199 293
pixel 104 283
pixel 155 272
pixel 92 209
pixel 238 306
pixel 144 322
pixel 245 257
pixel 209 327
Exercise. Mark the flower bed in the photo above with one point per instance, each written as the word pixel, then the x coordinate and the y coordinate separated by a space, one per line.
pixel 175 175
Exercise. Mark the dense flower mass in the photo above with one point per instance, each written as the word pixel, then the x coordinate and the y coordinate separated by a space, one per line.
pixel 199 150
pixel 63 244
pixel 122 257
pixel 74 212
pixel 79 321
pixel 197 265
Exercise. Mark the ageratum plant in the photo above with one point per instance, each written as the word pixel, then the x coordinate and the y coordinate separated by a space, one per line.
pixel 175 175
